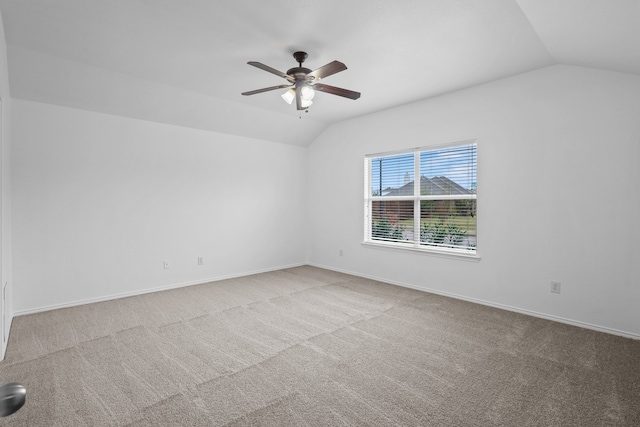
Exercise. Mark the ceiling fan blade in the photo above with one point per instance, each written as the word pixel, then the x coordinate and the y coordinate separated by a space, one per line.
pixel 327 70
pixel 336 91
pixel 271 70
pixel 266 89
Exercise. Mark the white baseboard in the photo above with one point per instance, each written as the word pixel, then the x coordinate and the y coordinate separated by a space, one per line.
pixel 150 290
pixel 6 344
pixel 546 316
pixel 380 279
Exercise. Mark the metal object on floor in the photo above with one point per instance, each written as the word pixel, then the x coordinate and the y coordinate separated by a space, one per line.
pixel 12 397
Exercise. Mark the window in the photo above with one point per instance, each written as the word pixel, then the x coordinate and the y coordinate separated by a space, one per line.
pixel 439 214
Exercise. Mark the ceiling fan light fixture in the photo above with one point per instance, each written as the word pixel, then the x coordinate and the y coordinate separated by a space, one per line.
pixel 289 96
pixel 306 103
pixel 307 93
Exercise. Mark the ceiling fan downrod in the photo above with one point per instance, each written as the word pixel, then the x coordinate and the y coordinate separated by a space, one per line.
pixel 299 72
pixel 300 57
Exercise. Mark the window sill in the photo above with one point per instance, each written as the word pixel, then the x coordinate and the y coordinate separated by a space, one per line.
pixel 443 253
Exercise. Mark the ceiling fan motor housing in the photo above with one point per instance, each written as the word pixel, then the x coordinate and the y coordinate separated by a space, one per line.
pixel 298 72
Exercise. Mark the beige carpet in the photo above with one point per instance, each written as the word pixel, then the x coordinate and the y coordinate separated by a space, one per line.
pixel 307 346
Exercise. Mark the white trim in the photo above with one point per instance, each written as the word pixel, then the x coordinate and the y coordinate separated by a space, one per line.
pixel 424 147
pixel 462 252
pixel 417 185
pixel 391 198
pixel 442 252
pixel 532 313
pixel 431 197
pixel 6 344
pixel 551 317
pixel 148 291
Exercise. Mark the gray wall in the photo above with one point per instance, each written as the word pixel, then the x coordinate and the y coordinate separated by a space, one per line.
pixel 101 201
pixel 6 283
pixel 558 199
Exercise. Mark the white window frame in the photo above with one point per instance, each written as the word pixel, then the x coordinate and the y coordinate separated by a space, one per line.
pixel 415 246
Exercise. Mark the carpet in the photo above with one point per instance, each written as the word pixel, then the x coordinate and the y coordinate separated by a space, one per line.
pixel 311 347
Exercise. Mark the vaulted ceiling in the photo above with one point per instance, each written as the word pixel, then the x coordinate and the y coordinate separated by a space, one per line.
pixel 183 62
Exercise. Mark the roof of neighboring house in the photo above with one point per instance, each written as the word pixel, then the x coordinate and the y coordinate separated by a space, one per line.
pixel 436 186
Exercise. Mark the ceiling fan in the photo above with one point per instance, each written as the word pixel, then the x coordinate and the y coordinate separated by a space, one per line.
pixel 303 82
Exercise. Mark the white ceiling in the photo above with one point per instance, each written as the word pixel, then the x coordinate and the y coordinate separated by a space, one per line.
pixel 183 62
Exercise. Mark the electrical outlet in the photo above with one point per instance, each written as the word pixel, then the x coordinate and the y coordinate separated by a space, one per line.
pixel 166 265
pixel 555 287
pixel 200 260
